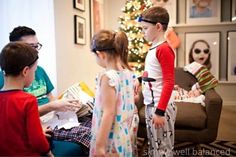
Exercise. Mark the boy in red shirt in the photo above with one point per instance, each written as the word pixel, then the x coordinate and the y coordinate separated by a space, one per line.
pixel 20 129
pixel 158 83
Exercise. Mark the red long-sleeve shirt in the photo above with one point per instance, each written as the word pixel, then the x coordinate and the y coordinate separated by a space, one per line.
pixel 20 129
pixel 158 76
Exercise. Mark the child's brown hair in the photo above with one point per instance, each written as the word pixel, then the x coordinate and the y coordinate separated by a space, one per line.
pixel 15 56
pixel 113 43
pixel 156 15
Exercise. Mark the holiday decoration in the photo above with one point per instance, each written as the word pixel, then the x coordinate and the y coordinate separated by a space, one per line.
pixel 138 46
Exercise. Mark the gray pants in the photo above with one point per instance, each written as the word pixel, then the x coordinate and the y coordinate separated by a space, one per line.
pixel 161 140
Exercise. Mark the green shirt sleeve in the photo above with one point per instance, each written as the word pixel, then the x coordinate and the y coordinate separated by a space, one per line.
pixel 1 79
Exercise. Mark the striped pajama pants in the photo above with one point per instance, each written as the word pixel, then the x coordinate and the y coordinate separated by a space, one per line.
pixel 161 140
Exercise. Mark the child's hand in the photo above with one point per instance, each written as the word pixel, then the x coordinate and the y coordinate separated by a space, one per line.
pixel 158 121
pixel 194 93
pixel 49 154
pixel 176 87
pixel 100 152
pixel 137 87
pixel 47 132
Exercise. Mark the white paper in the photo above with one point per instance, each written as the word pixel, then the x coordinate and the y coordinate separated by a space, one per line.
pixel 65 120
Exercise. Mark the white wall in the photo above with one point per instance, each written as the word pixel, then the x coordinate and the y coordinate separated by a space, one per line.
pixel 74 62
pixel 37 15
pixel 64 61
pixel 112 12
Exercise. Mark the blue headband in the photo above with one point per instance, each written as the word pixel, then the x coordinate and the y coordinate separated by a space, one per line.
pixel 140 19
pixel 94 48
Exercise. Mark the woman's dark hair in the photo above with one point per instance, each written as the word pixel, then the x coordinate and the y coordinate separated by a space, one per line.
pixel 208 61
pixel 114 43
pixel 19 32
pixel 15 56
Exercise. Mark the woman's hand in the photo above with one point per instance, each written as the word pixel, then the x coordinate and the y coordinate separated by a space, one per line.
pixel 65 104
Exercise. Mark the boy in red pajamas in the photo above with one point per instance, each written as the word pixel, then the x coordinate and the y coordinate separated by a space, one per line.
pixel 158 83
pixel 21 133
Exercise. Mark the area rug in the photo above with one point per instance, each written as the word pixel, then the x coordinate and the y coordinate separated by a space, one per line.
pixel 214 149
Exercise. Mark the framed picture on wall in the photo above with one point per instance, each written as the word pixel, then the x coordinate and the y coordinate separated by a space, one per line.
pixel 96 15
pixel 233 14
pixel 203 11
pixel 79 24
pixel 231 56
pixel 170 7
pixel 79 4
pixel 202 47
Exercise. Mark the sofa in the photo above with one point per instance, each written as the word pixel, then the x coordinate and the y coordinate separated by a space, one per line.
pixel 194 122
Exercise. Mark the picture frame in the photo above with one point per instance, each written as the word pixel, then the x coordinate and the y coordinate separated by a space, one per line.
pixel 233 11
pixel 79 25
pixel 210 15
pixel 200 41
pixel 96 16
pixel 79 4
pixel 231 47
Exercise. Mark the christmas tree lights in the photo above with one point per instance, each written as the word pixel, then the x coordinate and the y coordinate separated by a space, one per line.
pixel 138 46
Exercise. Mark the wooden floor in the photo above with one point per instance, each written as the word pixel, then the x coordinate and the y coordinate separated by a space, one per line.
pixel 227 126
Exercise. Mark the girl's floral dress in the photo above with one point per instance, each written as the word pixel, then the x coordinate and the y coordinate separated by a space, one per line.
pixel 122 136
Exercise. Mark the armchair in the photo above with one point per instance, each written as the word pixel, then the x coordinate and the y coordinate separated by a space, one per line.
pixel 194 122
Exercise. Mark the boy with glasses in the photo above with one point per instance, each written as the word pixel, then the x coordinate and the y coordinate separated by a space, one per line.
pixel 21 132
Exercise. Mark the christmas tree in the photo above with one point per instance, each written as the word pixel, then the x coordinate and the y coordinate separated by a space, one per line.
pixel 138 46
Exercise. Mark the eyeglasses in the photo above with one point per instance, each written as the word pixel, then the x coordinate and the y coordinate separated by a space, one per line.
pixel 36 46
pixel 197 51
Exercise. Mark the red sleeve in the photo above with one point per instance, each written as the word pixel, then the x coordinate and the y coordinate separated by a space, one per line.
pixel 37 139
pixel 166 57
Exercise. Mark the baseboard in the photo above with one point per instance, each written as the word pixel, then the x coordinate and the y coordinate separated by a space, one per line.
pixel 229 103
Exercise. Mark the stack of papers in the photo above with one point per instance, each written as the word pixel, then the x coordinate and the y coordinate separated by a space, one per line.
pixel 69 119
